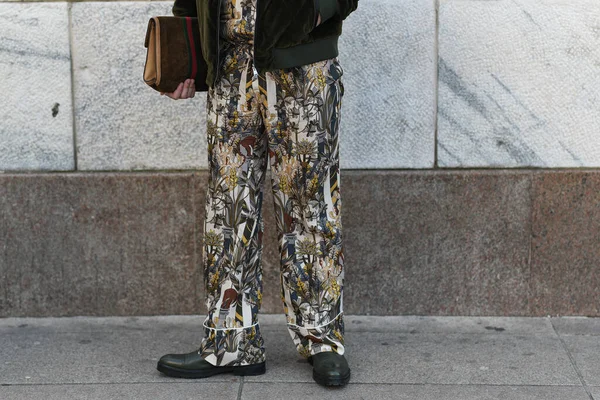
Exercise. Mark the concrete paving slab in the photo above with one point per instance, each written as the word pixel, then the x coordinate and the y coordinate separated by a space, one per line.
pixel 403 357
pixel 586 353
pixel 577 326
pixel 354 323
pixel 156 324
pixel 450 324
pixel 448 358
pixel 262 391
pixel 142 391
pixel 41 355
pixel 595 392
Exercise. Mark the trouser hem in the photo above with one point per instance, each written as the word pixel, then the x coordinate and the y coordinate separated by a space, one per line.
pixel 233 346
pixel 325 337
pixel 318 326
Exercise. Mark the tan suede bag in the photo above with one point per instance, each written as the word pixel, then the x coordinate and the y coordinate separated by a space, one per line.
pixel 174 53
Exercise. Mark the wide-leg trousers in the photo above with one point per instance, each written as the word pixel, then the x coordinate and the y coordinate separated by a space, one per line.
pixel 289 120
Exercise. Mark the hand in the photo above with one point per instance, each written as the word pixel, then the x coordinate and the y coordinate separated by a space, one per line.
pixel 185 90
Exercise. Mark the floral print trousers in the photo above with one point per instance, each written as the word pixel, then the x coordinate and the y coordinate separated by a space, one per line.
pixel 288 119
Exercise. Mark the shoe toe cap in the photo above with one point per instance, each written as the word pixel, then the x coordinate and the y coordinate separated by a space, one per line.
pixel 332 366
pixel 173 360
pixel 332 371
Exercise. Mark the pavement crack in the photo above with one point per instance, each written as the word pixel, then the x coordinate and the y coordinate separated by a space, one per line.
pixel 239 396
pixel 573 363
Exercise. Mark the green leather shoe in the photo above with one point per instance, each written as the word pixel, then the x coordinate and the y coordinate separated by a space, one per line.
pixel 192 365
pixel 330 368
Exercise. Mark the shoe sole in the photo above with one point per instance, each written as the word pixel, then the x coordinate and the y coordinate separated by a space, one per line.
pixel 246 370
pixel 328 381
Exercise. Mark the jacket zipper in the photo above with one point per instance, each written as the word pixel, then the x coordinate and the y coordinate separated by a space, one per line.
pixel 218 37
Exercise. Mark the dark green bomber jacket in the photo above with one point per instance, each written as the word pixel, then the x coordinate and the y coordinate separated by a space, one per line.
pixel 285 34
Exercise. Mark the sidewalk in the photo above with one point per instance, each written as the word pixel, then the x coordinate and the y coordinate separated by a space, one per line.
pixel 405 357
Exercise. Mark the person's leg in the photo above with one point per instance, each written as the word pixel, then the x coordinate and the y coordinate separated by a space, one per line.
pixel 233 229
pixel 302 115
pixel 233 226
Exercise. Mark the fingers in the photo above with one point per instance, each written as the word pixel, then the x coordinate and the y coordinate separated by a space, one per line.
pixel 192 89
pixel 175 94
pixel 178 91
pixel 185 90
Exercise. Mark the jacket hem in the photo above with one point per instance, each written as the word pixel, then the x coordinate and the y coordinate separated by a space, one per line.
pixel 306 53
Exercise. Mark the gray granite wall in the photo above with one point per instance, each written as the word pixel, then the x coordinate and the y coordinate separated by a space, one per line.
pixel 486 242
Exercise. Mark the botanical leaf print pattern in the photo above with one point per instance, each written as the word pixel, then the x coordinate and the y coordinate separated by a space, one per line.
pixel 289 120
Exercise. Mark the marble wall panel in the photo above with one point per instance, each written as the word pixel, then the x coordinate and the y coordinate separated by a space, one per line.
pixel 123 124
pixel 519 83
pixel 36 114
pixel 387 51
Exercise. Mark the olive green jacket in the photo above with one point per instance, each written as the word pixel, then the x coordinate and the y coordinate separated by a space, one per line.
pixel 285 35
